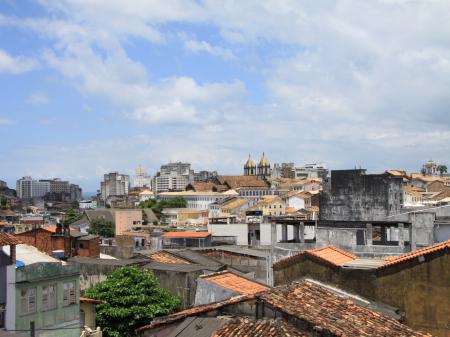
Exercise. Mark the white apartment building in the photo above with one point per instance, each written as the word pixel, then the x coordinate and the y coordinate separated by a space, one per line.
pixel 315 170
pixel 114 184
pixel 194 200
pixel 27 188
pixel 141 178
pixel 173 177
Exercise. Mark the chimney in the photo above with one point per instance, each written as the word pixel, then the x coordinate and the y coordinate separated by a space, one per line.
pixel 12 254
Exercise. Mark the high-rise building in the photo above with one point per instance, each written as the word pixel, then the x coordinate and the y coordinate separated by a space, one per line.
pixel 141 179
pixel 114 184
pixel 173 177
pixel 60 190
pixel 311 171
pixel 28 188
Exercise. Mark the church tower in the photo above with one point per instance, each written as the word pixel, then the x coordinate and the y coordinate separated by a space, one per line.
pixel 264 170
pixel 249 167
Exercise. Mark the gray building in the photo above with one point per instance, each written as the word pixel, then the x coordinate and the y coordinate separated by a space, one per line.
pixel 114 184
pixel 315 170
pixel 356 196
pixel 173 177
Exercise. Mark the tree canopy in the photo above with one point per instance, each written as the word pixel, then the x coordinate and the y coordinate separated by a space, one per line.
pixel 70 216
pixel 158 205
pixel 131 298
pixel 441 169
pixel 102 227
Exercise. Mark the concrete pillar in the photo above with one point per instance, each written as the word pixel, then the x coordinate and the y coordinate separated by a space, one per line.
pixel 273 233
pixel 401 237
pixel 296 233
pixel 284 232
pixel 302 232
pixel 369 234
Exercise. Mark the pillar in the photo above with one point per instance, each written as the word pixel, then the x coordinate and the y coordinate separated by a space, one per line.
pixel 302 232
pixel 12 254
pixel 284 233
pixel 369 234
pixel 273 233
pixel 401 236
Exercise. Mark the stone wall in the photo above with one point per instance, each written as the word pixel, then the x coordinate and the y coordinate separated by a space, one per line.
pixel 355 195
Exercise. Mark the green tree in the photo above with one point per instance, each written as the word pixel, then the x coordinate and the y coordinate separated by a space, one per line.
pixel 131 298
pixel 441 169
pixel 70 216
pixel 102 227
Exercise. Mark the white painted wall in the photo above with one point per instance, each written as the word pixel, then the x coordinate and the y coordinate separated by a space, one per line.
pixel 240 231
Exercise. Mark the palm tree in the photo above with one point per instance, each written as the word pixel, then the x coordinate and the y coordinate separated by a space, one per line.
pixel 441 169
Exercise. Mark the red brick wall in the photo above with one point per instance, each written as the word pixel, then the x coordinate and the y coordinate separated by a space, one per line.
pixel 90 248
pixel 40 239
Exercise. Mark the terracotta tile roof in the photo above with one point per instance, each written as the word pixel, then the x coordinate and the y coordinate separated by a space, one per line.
pixel 332 255
pixel 52 229
pixel 291 209
pixel 235 282
pixel 416 254
pixel 166 257
pixel 242 181
pixel 202 187
pixel 331 314
pixel 200 309
pixel 8 239
pixel 313 209
pixel 187 235
pixel 245 327
pixel 234 203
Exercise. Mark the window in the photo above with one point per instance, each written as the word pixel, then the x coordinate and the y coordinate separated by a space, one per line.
pixel 27 301
pixel 49 297
pixel 69 293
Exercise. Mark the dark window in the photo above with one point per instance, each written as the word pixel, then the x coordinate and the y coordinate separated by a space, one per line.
pixel 360 237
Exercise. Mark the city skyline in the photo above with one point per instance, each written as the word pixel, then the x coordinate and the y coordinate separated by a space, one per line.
pixel 89 91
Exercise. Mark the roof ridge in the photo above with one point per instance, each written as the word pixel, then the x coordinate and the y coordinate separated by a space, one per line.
pixel 417 253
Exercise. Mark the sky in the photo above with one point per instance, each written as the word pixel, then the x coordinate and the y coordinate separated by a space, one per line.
pixel 93 86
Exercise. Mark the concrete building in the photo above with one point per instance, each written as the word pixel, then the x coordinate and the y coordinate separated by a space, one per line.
pixel 177 240
pixel 141 178
pixel 173 177
pixel 283 170
pixel 315 170
pixel 204 176
pixel 114 184
pixel 28 188
pixel 194 200
pixel 356 196
pixel 43 290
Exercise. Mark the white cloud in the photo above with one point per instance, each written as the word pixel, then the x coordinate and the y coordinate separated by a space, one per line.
pixel 16 65
pixel 6 121
pixel 203 46
pixel 37 98
pixel 343 79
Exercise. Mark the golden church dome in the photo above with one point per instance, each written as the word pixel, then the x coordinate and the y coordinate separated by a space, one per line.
pixel 249 163
pixel 264 161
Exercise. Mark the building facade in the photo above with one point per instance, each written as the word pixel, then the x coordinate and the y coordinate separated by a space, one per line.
pixel 315 170
pixel 114 184
pixel 173 177
pixel 141 178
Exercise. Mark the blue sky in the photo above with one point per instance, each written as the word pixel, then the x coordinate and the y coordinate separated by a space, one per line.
pixel 93 86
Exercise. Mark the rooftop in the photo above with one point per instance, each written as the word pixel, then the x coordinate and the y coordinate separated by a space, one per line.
pixel 29 255
pixel 185 235
pixel 8 239
pixel 418 254
pixel 325 311
pixel 246 327
pixel 332 255
pixel 235 282
pixel 166 257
